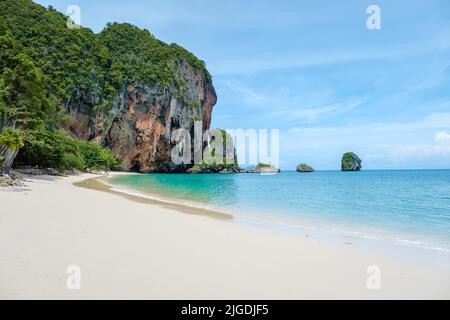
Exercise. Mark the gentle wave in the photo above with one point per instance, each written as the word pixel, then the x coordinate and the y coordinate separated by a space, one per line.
pixel 403 209
pixel 254 220
pixel 158 198
pixel 339 232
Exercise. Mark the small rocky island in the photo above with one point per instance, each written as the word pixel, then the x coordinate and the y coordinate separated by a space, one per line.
pixel 304 168
pixel 265 168
pixel 351 162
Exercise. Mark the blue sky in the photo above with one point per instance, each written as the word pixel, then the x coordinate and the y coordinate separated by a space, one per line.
pixel 313 70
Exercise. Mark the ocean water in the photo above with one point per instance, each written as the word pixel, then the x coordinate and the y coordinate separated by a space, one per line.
pixel 405 212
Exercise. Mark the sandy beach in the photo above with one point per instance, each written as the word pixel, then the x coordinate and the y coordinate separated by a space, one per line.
pixel 131 249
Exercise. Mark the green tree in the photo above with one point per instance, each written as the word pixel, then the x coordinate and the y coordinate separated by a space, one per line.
pixel 45 66
pixel 57 149
pixel 22 103
pixel 10 142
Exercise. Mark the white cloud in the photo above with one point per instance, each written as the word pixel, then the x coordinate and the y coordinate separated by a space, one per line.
pixel 442 138
pixel 250 96
pixel 434 120
pixel 441 143
pixel 307 106
pixel 289 60
pixel 421 143
pixel 312 114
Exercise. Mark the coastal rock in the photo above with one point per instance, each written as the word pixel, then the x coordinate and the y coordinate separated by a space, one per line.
pixel 13 179
pixel 214 169
pixel 52 172
pixel 265 168
pixel 140 133
pixel 31 171
pixel 351 162
pixel 304 168
pixel 225 171
pixel 15 175
pixel 196 170
pixel 71 172
pixel 228 162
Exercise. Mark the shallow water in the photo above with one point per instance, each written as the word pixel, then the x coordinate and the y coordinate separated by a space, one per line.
pixel 408 207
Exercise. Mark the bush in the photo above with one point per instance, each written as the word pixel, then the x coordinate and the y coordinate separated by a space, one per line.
pixel 57 149
pixel 72 161
pixel 98 158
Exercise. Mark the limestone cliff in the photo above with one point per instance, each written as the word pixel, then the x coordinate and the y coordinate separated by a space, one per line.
pixel 122 87
pixel 144 117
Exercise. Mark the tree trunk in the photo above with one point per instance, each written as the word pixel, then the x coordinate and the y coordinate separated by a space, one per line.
pixel 7 157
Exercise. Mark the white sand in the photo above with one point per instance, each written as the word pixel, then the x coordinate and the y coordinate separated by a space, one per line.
pixel 129 249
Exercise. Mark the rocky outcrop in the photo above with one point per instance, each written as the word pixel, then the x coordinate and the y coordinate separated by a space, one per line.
pixel 122 87
pixel 213 169
pixel 225 162
pixel 265 168
pixel 13 179
pixel 304 168
pixel 144 118
pixel 35 171
pixel 351 162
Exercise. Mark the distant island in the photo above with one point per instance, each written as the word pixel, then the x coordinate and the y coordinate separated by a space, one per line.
pixel 304 168
pixel 351 162
pixel 265 168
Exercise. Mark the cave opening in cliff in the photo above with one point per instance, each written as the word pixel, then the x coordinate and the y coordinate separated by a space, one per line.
pixel 136 166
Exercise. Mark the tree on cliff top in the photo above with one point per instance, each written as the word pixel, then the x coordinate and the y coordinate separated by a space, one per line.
pixel 101 63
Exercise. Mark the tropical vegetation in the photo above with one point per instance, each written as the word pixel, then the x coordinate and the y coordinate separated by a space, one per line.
pixel 44 66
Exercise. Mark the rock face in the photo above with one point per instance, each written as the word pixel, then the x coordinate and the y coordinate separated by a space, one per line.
pixel 351 162
pixel 123 88
pixel 145 115
pixel 35 171
pixel 213 169
pixel 225 162
pixel 13 179
pixel 304 168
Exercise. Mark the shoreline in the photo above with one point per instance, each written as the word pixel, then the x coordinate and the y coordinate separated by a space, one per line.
pixel 397 248
pixel 96 183
pixel 143 250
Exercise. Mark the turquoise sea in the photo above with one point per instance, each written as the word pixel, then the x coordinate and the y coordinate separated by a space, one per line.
pixel 405 212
